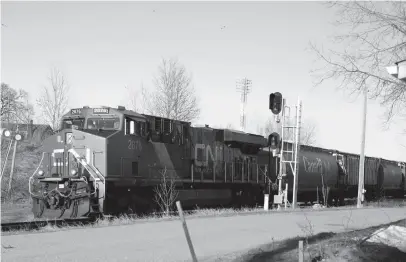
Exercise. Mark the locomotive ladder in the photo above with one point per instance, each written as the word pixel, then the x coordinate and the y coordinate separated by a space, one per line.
pixel 99 189
pixel 96 175
pixel 290 134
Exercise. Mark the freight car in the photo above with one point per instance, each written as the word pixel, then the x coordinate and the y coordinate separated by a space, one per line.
pixel 318 168
pixel 339 171
pixel 109 160
pixel 381 177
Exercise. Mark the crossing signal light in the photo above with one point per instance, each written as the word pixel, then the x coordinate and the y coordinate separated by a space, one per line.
pixel 274 140
pixel 275 102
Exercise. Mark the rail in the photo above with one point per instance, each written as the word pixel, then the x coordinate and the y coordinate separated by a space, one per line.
pixel 34 225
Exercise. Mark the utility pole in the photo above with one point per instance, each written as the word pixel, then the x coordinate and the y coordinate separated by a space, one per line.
pixel 362 155
pixel 296 151
pixel 243 86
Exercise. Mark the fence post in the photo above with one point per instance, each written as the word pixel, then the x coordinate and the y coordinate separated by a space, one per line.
pixel 189 241
pixel 301 251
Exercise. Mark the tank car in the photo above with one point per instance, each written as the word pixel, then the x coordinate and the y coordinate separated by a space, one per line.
pixel 111 160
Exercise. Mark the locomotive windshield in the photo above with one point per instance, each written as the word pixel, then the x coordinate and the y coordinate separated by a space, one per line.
pixel 67 123
pixel 103 123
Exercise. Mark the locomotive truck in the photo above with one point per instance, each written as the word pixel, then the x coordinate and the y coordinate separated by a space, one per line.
pixel 105 161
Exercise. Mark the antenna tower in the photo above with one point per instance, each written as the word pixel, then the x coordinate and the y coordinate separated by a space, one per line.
pixel 243 87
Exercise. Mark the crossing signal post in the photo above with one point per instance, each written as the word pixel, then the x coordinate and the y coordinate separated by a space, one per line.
pixel 288 156
pixel 13 137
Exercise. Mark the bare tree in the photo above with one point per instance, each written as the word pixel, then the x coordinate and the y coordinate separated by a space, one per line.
pixel 174 96
pixel 308 131
pixel 165 192
pixel 15 106
pixel 133 96
pixel 374 37
pixel 139 99
pixel 54 100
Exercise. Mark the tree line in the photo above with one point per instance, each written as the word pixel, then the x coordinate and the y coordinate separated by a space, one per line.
pixel 173 96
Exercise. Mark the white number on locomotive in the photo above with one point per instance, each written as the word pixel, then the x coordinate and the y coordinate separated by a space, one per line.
pixel 134 145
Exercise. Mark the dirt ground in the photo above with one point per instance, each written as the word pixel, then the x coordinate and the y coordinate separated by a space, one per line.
pixel 347 246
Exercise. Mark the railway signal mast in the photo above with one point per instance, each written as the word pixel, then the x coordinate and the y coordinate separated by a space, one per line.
pixel 287 156
pixel 13 137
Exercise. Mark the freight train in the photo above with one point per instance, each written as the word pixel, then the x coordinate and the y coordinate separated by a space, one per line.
pixel 105 161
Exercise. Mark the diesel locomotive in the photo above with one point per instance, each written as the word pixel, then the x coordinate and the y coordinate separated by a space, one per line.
pixel 105 161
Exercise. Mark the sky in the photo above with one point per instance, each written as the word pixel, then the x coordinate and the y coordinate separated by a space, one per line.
pixel 101 47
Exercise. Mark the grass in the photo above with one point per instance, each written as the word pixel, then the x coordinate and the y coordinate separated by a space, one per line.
pixel 198 213
pixel 328 246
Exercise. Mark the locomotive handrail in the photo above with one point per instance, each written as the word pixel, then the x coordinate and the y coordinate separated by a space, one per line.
pixel 89 167
pixel 31 177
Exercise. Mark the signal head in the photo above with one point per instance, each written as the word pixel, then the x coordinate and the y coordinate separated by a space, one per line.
pixel 275 102
pixel 274 141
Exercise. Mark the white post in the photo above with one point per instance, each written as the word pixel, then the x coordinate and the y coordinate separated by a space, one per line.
pixel 286 195
pixel 266 202
pixel 296 164
pixel 185 229
pixel 362 154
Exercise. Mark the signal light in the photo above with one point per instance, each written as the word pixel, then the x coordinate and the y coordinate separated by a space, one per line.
pixel 5 132
pixel 18 137
pixel 11 134
pixel 275 102
pixel 274 140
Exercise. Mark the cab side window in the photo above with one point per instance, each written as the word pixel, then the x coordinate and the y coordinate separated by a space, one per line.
pixel 135 128
pixel 130 126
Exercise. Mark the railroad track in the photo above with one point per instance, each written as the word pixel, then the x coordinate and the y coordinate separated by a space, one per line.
pixel 33 225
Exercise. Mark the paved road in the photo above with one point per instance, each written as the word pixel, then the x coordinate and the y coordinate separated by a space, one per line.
pixel 165 241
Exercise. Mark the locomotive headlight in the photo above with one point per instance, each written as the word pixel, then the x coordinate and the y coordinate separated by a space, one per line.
pixel 40 172
pixel 73 172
